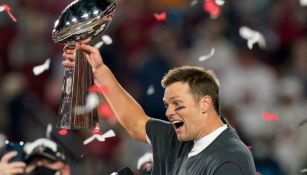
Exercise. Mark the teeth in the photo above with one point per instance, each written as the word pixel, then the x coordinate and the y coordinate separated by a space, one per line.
pixel 176 121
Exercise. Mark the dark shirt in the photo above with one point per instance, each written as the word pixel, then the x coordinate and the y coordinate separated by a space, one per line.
pixel 226 155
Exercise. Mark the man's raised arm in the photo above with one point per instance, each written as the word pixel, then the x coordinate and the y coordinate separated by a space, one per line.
pixel 128 112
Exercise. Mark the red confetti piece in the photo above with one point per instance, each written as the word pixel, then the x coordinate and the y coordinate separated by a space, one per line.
pixel 96 89
pixel 270 117
pixel 105 111
pixel 160 16
pixel 96 131
pixel 63 132
pixel 212 8
pixel 7 9
pixel 250 147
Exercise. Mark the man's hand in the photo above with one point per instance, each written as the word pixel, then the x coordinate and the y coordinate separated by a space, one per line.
pixel 92 55
pixel 11 168
pixel 128 112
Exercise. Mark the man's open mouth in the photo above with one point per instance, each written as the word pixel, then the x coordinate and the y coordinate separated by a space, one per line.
pixel 177 124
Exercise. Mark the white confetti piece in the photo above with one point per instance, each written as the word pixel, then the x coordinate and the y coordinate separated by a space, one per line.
pixel 2 8
pixel 193 2
pixel 108 134
pixel 99 44
pixel 92 100
pixel 41 68
pixel 150 90
pixel 205 57
pixel 100 138
pixel 106 39
pixel 219 2
pixel 303 170
pixel 252 37
pixel 89 140
pixel 303 2
pixel 49 130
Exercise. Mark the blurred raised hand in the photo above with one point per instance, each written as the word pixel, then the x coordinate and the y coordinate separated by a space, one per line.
pixel 11 168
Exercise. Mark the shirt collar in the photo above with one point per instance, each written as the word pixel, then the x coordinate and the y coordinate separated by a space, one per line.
pixel 205 141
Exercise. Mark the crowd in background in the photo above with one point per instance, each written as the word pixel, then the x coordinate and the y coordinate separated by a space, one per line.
pixel 272 80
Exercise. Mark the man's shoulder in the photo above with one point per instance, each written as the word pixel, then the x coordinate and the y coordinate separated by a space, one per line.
pixel 228 144
pixel 230 148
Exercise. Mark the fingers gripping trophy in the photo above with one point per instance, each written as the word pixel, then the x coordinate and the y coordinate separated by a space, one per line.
pixel 80 21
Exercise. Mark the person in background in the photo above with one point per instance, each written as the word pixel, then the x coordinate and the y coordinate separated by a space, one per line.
pixel 145 164
pixel 45 157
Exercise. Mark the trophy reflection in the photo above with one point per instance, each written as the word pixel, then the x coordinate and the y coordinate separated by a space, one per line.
pixel 81 20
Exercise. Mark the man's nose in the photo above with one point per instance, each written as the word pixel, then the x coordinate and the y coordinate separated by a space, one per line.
pixel 169 112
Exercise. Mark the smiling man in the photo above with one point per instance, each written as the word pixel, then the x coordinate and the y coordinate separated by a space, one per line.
pixel 195 141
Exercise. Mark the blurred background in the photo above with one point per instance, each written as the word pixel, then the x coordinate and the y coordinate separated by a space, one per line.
pixel 263 90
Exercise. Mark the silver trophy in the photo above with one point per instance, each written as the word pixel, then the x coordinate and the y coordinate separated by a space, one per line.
pixel 81 20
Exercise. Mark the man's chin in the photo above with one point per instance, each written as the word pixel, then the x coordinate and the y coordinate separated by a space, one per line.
pixel 181 138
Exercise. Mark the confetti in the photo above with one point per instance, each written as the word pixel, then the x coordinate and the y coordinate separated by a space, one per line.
pixel 96 131
pixel 92 100
pixel 105 110
pixel 106 39
pixel 7 9
pixel 48 130
pixel 205 57
pixel 160 16
pixel 250 147
pixel 102 89
pixel 219 2
pixel 193 2
pixel 303 170
pixel 41 68
pixel 212 8
pixel 303 122
pixel 303 2
pixel 270 117
pixel 98 45
pixel 150 90
pixel 63 132
pixel 98 137
pixel 252 37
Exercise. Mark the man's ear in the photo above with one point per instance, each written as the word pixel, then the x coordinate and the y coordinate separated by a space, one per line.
pixel 205 103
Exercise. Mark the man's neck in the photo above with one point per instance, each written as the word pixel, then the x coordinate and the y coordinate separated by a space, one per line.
pixel 213 123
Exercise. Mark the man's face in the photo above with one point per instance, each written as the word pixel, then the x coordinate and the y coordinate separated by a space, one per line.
pixel 183 111
pixel 56 166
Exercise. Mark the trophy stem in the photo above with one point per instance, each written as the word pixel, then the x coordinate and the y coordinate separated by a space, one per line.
pixel 77 81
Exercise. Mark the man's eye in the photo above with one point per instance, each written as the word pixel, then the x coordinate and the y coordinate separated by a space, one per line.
pixel 179 108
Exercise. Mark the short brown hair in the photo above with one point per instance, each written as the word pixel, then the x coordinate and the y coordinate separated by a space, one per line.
pixel 201 81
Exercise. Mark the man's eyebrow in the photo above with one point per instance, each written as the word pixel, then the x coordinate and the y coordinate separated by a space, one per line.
pixel 170 99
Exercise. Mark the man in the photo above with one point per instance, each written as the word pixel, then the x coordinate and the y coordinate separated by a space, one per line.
pixel 45 157
pixel 195 141
pixel 145 164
